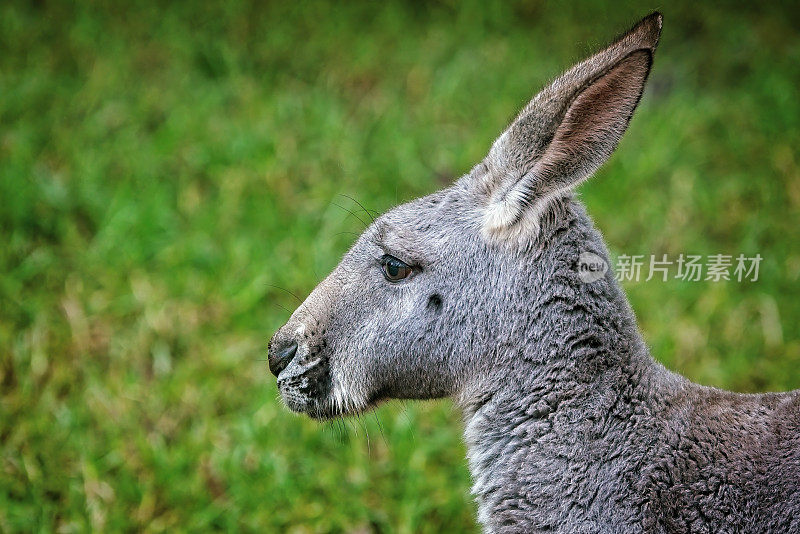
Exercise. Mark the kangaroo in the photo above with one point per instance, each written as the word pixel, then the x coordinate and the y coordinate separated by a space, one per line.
pixel 474 292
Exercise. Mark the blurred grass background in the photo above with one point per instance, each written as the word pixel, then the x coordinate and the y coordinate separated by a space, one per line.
pixel 163 167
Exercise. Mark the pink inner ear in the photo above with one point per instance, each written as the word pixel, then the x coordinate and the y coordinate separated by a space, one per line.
pixel 595 122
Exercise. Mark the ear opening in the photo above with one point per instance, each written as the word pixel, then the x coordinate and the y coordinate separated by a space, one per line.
pixel 593 125
pixel 566 132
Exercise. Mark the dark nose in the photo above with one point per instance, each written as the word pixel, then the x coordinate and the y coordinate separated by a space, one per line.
pixel 280 355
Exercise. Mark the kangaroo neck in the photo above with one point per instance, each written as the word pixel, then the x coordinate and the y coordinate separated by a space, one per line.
pixel 538 420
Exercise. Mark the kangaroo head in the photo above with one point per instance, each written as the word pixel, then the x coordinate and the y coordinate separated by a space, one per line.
pixel 423 302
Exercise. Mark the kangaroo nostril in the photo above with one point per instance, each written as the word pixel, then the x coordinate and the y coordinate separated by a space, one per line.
pixel 281 355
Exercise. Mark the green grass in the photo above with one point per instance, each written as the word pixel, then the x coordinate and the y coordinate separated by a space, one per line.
pixel 163 168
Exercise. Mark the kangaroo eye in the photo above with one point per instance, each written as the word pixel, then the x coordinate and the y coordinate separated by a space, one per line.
pixel 395 270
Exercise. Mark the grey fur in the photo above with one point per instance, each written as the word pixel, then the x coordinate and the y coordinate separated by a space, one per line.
pixel 570 424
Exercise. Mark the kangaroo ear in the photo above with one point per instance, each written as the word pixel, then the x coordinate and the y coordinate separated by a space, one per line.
pixel 565 133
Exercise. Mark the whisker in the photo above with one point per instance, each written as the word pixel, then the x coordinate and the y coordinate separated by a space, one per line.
pixel 302 305
pixel 351 213
pixel 286 291
pixel 366 433
pixel 284 308
pixel 380 429
pixel 360 205
pixel 342 431
pixel 404 411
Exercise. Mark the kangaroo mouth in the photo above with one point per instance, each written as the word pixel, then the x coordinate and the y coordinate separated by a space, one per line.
pixel 305 388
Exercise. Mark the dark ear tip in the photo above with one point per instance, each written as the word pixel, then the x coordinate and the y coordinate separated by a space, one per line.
pixel 648 30
pixel 657 19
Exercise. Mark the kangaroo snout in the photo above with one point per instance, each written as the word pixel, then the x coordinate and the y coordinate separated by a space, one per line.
pixel 297 357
